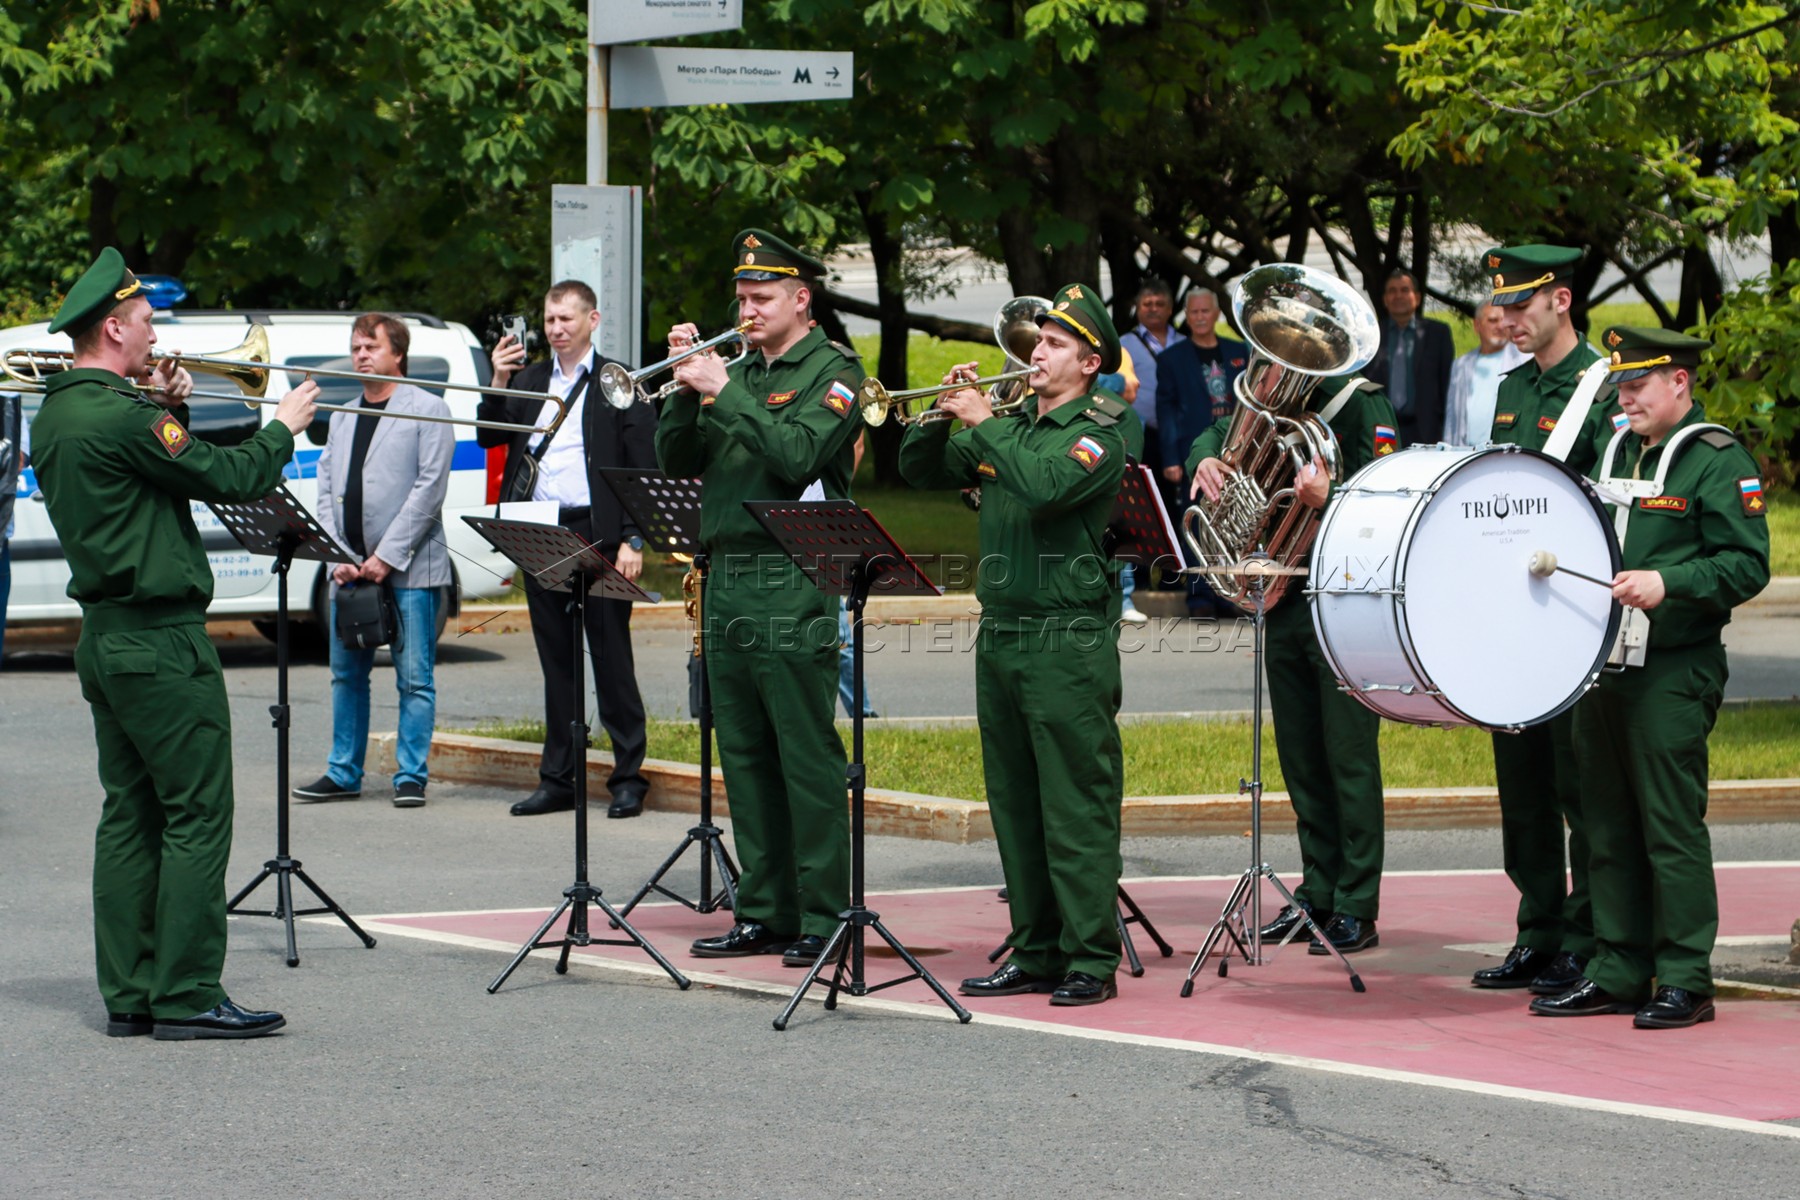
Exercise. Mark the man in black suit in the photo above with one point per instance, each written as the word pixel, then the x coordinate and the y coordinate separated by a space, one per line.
pixel 593 436
pixel 1414 363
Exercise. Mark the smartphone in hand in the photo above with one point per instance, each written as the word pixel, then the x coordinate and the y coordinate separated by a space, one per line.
pixel 513 326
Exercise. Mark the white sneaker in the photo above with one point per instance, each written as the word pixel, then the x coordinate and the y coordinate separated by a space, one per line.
pixel 1131 616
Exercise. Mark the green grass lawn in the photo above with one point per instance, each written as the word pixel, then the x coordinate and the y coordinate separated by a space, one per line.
pixel 1171 758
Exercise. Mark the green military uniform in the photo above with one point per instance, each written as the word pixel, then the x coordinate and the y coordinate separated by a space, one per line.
pixel 771 636
pixel 1640 735
pixel 1535 768
pixel 1047 661
pixel 1327 742
pixel 118 473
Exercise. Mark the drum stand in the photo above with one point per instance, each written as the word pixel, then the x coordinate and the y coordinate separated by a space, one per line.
pixel 1241 918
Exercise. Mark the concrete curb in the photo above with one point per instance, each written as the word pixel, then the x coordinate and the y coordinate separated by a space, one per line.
pixel 675 787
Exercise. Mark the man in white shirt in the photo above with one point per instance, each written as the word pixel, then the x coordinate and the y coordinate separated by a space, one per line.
pixel 1475 380
pixel 593 436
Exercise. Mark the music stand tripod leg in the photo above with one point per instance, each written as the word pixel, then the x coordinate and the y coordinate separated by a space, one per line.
pixel 1137 917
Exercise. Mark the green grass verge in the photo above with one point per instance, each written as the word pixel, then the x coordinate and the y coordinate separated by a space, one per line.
pixel 1175 758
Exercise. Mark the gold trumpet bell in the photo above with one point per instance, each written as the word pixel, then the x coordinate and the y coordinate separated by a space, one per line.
pixel 249 365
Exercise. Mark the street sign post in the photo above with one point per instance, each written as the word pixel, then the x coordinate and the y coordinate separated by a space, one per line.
pixel 612 22
pixel 663 76
pixel 596 237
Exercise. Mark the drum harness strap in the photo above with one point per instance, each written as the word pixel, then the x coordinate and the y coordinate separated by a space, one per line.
pixel 1634 629
pixel 1574 413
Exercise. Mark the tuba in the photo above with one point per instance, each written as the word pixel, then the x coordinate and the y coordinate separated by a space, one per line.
pixel 1303 326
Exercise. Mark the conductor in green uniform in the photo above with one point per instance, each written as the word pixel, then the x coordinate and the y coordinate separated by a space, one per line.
pixel 118 468
pixel 1327 742
pixel 1535 768
pixel 769 428
pixel 1694 545
pixel 1047 684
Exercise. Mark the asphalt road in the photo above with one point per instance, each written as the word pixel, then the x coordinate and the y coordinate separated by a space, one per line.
pixel 400 1076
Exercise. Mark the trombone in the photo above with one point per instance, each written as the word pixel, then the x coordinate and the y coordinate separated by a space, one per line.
pixel 247 365
pixel 624 388
pixel 877 402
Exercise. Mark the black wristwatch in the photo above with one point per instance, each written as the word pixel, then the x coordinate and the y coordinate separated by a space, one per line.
pixel 635 542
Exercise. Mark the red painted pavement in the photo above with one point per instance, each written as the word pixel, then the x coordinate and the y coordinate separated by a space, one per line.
pixel 1419 1013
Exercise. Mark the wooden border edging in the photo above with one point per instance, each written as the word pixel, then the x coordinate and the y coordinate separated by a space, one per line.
pixel 675 787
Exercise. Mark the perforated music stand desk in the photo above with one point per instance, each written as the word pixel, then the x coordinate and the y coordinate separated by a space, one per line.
pixel 668 512
pixel 1140 529
pixel 845 552
pixel 277 525
pixel 560 560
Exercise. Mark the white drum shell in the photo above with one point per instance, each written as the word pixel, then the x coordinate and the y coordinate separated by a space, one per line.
pixel 1422 598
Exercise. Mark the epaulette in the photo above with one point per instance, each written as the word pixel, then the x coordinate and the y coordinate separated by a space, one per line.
pixel 848 352
pixel 1107 409
pixel 1719 440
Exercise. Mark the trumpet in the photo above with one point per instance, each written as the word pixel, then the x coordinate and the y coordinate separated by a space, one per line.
pixel 877 402
pixel 624 388
pixel 247 365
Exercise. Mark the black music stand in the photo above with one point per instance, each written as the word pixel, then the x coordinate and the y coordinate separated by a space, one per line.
pixel 1241 918
pixel 1127 914
pixel 277 525
pixel 845 552
pixel 668 512
pixel 562 561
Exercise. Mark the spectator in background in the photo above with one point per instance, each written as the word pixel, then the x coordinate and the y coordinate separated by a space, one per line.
pixel 381 492
pixel 1414 362
pixel 12 460
pixel 1144 346
pixel 1195 386
pixel 1475 380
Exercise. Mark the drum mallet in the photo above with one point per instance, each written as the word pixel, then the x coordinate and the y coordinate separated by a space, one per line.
pixel 1543 564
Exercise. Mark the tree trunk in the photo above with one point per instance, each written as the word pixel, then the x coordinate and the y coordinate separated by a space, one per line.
pixel 890 302
pixel 1784 237
pixel 1702 291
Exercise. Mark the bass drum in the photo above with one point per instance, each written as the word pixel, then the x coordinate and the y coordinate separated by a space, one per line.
pixel 1423 597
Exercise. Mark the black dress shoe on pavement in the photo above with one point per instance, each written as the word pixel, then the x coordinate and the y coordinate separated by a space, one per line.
pixel 1348 934
pixel 1521 965
pixel 1007 981
pixel 541 802
pixel 1674 1008
pixel 628 805
pixel 226 1020
pixel 744 939
pixel 409 795
pixel 1585 999
pixel 1564 972
pixel 1288 920
pixel 322 789
pixel 1081 988
pixel 804 952
pixel 129 1024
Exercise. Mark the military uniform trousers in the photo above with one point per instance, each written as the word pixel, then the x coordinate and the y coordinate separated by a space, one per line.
pixel 771 667
pixel 1331 759
pixel 163 729
pixel 1047 701
pixel 1641 741
pixel 1540 790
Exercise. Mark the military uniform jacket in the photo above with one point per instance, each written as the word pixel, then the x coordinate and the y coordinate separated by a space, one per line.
pixel 117 473
pixel 1048 487
pixel 776 428
pixel 1707 534
pixel 1531 401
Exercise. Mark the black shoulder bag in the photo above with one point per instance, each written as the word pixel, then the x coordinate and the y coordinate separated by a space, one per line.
pixel 367 616
pixel 524 480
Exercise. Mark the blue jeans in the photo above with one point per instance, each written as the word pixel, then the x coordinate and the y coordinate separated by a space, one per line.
pixel 413 658
pixel 5 584
pixel 1127 587
pixel 847 666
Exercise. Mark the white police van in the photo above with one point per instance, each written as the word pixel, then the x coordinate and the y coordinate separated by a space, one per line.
pixel 244 585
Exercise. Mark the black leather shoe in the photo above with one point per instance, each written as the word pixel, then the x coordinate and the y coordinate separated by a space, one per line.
pixel 129 1024
pixel 226 1020
pixel 1348 934
pixel 541 802
pixel 628 805
pixel 1674 1008
pixel 1564 972
pixel 1585 999
pixel 1289 920
pixel 1007 981
pixel 409 795
pixel 1082 988
pixel 804 952
pixel 744 939
pixel 323 789
pixel 1521 965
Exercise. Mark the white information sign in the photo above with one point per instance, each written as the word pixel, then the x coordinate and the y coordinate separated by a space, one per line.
pixel 611 22
pixel 595 236
pixel 664 76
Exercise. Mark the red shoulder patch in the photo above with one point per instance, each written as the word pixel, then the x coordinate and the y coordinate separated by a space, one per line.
pixel 1546 423
pixel 777 399
pixel 1663 504
pixel 1505 420
pixel 170 435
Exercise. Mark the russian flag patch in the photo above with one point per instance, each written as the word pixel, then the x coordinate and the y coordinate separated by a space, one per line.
pixel 1087 452
pixel 1385 441
pixel 1620 421
pixel 1750 491
pixel 839 398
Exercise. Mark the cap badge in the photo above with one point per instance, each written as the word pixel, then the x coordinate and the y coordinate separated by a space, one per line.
pixel 1613 339
pixel 1499 281
pixel 749 260
pixel 1493 262
pixel 1074 291
pixel 751 242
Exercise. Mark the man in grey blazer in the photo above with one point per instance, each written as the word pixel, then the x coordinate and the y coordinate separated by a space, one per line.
pixel 381 492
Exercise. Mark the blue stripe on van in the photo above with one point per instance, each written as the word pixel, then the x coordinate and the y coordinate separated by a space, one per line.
pixel 468 456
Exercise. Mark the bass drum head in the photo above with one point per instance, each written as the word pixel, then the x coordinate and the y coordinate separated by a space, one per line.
pixel 1503 646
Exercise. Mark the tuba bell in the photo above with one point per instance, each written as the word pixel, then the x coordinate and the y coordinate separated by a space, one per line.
pixel 1303 326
